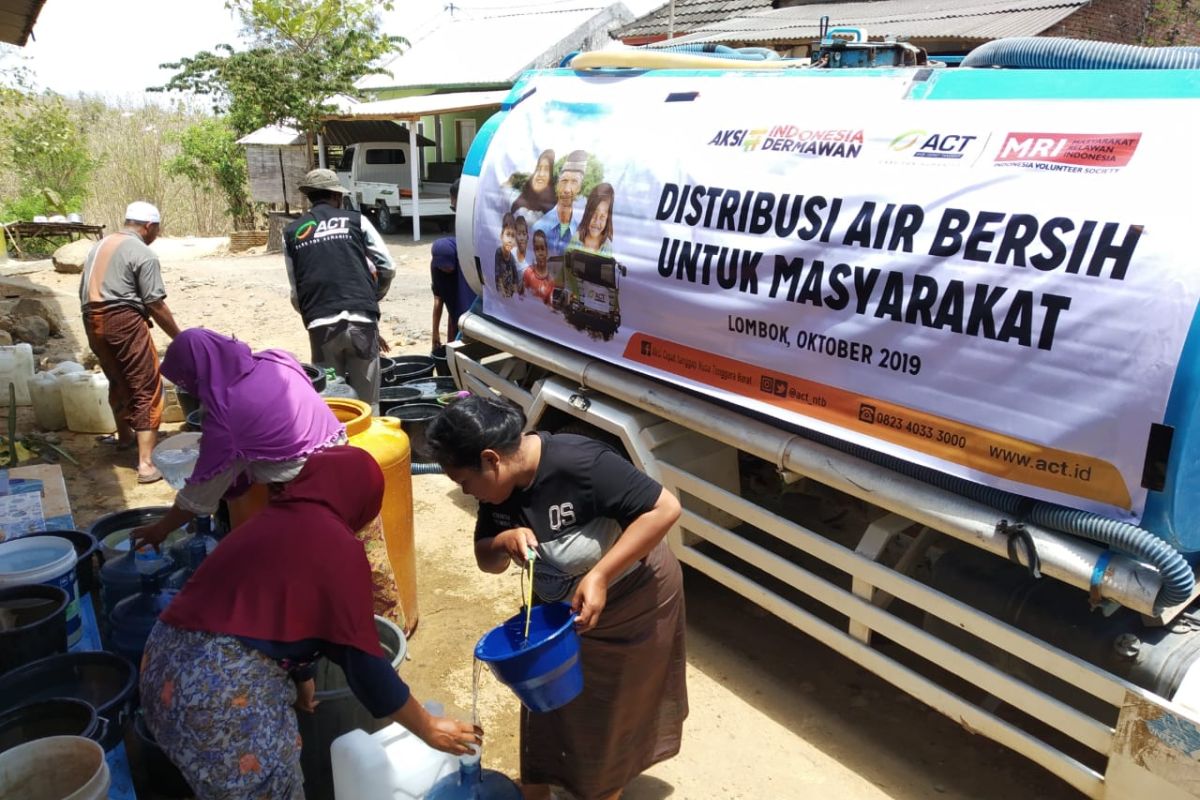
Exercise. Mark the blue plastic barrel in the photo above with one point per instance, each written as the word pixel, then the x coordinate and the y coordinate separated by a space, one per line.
pixel 543 671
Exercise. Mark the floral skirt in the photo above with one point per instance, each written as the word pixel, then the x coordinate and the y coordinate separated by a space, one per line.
pixel 222 712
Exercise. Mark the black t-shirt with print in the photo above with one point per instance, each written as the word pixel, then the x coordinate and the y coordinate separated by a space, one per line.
pixel 578 480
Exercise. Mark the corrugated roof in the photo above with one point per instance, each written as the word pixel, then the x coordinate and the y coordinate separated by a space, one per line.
pixel 924 19
pixel 17 18
pixel 689 15
pixel 487 50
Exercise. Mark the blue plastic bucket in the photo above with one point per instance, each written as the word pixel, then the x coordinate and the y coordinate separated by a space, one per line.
pixel 544 672
pixel 44 559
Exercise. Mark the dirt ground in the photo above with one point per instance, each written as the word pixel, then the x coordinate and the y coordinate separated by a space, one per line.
pixel 774 714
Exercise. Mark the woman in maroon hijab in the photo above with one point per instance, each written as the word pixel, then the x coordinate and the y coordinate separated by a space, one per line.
pixel 234 650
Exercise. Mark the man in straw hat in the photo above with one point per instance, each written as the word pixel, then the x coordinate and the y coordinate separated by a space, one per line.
pixel 121 293
pixel 559 223
pixel 340 269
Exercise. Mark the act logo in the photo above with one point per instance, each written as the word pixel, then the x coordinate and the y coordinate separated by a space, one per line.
pixel 923 144
pixel 319 230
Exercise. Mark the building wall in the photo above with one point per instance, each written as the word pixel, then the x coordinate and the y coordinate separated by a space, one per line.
pixel 1107 21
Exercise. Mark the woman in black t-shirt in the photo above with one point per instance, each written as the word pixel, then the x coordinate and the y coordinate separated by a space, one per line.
pixel 598 527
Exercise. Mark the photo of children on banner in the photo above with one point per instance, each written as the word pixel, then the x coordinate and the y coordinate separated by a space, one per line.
pixel 537 276
pixel 522 231
pixel 508 272
pixel 537 195
pixel 595 228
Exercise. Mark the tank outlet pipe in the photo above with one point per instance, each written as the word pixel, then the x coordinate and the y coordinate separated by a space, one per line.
pixel 1119 578
pixel 1032 52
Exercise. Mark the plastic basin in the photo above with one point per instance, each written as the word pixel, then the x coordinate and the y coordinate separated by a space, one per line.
pixel 406 368
pixel 544 671
pixel 33 624
pixel 60 716
pixel 103 680
pixel 432 387
pixel 55 768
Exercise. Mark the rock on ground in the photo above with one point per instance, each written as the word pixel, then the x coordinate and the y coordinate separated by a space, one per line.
pixel 70 257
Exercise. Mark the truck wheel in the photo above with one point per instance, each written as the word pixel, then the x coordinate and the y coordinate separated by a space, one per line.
pixel 387 220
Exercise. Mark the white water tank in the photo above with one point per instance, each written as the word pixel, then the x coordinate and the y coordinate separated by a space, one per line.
pixel 390 764
pixel 85 402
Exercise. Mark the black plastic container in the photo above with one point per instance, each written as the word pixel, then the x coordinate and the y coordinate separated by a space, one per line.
pixel 102 679
pixel 34 624
pixel 407 368
pixel 87 550
pixel 195 420
pixel 414 419
pixel 441 364
pixel 338 713
pixel 161 777
pixel 60 716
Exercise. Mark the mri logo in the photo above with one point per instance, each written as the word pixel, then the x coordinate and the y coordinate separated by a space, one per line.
pixel 922 144
pixel 1068 152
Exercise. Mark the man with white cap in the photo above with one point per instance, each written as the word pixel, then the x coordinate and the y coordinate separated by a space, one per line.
pixel 558 224
pixel 122 295
pixel 340 269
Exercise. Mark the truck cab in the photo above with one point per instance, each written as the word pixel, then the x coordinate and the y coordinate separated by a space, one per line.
pixel 379 177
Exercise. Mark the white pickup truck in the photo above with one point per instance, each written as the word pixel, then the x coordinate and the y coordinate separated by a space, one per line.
pixel 379 177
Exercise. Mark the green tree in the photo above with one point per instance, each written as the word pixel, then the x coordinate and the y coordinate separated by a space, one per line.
pixel 208 151
pixel 46 151
pixel 300 54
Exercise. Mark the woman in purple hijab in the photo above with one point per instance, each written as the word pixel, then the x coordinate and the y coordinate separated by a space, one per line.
pixel 262 420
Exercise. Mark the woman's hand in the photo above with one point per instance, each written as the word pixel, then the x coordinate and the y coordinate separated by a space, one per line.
pixel 306 696
pixel 153 534
pixel 514 542
pixel 590 598
pixel 451 736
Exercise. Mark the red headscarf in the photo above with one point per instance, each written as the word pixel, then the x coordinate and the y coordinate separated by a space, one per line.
pixel 295 570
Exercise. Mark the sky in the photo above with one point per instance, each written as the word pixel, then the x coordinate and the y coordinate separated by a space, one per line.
pixel 114 48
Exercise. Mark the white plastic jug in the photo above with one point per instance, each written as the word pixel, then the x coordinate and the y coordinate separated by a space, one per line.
pixel 46 397
pixel 85 402
pixel 16 368
pixel 390 764
pixel 64 367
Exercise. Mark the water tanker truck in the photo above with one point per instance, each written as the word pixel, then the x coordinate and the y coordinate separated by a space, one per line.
pixel 916 347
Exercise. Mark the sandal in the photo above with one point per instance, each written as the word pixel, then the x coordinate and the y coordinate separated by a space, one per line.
pixel 111 440
pixel 153 477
